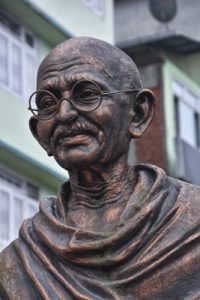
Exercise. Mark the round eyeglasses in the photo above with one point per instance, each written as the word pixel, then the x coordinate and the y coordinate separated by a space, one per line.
pixel 86 96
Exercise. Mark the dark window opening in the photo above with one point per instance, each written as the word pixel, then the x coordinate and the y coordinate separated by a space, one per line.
pixel 32 191
pixel 177 117
pixel 29 40
pixel 197 129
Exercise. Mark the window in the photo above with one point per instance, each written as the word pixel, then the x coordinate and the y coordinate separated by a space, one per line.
pixel 97 6
pixel 186 114
pixel 18 201
pixel 17 58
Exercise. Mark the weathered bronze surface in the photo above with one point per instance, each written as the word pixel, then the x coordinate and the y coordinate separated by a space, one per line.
pixel 114 232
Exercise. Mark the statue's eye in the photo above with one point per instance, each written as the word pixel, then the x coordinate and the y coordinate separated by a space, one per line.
pixel 88 95
pixel 47 102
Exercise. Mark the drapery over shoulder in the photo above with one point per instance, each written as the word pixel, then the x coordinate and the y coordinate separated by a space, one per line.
pixel 154 252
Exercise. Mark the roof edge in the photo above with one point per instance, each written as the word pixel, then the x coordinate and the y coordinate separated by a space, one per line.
pixel 32 161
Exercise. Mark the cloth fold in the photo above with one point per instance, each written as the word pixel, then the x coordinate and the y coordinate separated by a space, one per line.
pixel 152 254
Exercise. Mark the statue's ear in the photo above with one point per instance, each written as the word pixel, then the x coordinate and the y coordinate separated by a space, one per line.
pixel 33 127
pixel 144 110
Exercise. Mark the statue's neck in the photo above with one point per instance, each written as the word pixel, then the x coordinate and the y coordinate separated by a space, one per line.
pixel 102 193
pixel 99 195
pixel 99 186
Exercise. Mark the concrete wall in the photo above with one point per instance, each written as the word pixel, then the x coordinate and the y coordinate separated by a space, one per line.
pixel 188 64
pixel 133 20
pixel 78 18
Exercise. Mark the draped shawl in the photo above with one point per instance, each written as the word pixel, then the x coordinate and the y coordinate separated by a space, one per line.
pixel 153 253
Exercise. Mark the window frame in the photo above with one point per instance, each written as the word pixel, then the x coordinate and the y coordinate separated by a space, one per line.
pixel 20 41
pixel 182 93
pixel 14 192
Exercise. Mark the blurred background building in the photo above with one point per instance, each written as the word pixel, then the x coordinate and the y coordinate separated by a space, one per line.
pixel 162 37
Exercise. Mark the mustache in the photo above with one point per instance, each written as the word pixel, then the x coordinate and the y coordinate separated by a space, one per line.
pixel 74 128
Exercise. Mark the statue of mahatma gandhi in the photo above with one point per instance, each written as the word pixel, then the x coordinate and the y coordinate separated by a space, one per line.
pixel 114 232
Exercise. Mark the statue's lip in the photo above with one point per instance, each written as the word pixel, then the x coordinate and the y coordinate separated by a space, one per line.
pixel 73 139
pixel 70 134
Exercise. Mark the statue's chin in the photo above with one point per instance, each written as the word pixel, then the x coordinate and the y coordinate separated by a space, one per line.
pixel 77 157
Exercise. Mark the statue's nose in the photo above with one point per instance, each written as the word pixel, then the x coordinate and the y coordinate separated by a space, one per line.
pixel 66 111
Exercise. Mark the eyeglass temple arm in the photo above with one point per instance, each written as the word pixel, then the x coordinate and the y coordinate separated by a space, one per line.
pixel 117 92
pixel 29 108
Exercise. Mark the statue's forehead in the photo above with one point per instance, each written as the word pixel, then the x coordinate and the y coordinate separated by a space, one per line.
pixel 73 67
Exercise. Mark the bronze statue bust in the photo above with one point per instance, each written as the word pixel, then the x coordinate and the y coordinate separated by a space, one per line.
pixel 114 232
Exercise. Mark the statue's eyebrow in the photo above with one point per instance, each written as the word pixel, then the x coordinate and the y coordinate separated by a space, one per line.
pixel 74 78
pixel 50 85
pixel 54 85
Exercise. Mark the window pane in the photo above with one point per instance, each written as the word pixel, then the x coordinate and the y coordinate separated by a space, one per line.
pixel 4 215
pixel 97 6
pixel 18 218
pixel 187 124
pixel 30 79
pixel 32 209
pixel 16 66
pixel 3 60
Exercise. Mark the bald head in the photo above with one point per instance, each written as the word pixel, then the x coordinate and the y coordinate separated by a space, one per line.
pixel 116 65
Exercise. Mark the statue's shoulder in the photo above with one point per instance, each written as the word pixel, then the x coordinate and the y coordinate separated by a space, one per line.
pixel 187 189
pixel 183 191
pixel 14 284
pixel 160 174
pixel 188 200
pixel 6 259
pixel 9 273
